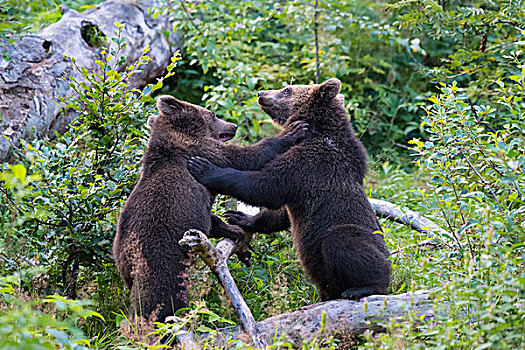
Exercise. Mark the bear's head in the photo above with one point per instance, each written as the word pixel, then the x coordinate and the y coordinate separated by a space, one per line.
pixel 283 103
pixel 190 120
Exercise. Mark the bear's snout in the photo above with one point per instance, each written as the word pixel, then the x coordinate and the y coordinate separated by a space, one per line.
pixel 264 98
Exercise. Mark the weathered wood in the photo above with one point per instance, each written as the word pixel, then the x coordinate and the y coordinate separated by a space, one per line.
pixel 343 317
pixel 406 217
pixel 31 80
pixel 187 340
pixel 216 258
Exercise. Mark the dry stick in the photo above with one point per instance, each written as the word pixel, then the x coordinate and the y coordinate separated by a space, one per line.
pixel 411 219
pixel 316 26
pixel 216 258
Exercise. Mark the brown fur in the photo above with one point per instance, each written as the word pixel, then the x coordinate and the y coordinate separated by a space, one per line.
pixel 317 188
pixel 167 201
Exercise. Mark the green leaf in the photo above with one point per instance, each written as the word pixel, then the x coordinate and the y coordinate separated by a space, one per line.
pixel 147 90
pixel 19 171
pixel 157 86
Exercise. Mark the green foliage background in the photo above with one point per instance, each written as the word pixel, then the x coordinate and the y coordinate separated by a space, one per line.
pixel 435 92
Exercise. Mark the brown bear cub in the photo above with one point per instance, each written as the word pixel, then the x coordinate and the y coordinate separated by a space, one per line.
pixel 316 187
pixel 167 201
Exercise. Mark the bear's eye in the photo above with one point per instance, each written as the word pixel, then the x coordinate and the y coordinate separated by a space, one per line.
pixel 213 115
pixel 288 91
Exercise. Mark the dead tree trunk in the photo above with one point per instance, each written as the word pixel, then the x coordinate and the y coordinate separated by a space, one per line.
pixel 33 77
pixel 343 318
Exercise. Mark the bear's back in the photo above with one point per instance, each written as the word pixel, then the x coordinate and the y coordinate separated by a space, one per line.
pixel 326 182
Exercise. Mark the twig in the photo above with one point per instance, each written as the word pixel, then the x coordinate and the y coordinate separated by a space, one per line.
pixel 482 180
pixel 250 136
pixel 216 258
pixel 469 71
pixel 316 27
pixel 513 24
pixel 182 4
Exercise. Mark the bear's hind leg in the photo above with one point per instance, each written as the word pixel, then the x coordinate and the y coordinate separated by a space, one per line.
pixel 355 264
pixel 360 292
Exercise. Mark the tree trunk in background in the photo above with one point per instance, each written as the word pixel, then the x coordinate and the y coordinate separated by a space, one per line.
pixel 31 80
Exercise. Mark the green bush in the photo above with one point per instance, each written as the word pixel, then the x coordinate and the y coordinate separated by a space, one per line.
pixel 248 45
pixel 474 185
pixel 65 211
pixel 48 323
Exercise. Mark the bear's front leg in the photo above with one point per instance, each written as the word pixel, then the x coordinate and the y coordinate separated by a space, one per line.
pixel 219 229
pixel 208 174
pixel 266 221
pixel 258 188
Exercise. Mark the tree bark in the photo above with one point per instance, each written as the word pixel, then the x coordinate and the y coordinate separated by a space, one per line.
pixel 344 318
pixel 33 77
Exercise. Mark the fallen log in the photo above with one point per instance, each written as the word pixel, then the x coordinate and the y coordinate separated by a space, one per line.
pixel 343 317
pixel 406 217
pixel 33 77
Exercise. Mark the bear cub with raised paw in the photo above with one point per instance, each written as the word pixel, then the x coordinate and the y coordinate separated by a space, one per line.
pixel 167 201
pixel 316 187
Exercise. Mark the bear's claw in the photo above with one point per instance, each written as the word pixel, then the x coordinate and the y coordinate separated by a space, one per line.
pixel 296 130
pixel 238 218
pixel 199 167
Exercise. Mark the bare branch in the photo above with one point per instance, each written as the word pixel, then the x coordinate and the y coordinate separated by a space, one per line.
pixel 406 217
pixel 216 258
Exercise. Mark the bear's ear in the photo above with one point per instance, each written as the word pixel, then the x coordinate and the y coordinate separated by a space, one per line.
pixel 341 99
pixel 169 104
pixel 330 88
pixel 151 120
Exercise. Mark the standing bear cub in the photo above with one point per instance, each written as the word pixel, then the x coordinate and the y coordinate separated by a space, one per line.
pixel 316 187
pixel 167 201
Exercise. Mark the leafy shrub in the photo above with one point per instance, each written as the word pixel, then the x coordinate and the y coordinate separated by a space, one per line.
pixel 384 54
pixel 475 179
pixel 81 180
pixel 34 324
pixel 247 45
